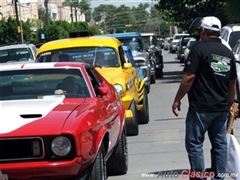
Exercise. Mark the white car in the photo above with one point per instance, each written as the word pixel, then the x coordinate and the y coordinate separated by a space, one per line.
pixel 231 34
pixel 174 43
pixel 18 53
pixel 167 42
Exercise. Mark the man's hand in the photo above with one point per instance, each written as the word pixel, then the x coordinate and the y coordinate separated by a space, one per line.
pixel 176 105
pixel 234 110
pixel 59 91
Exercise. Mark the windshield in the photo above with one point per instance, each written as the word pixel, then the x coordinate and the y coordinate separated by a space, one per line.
pixel 18 54
pixel 42 84
pixel 178 36
pixel 133 42
pixel 97 56
pixel 234 37
pixel 185 41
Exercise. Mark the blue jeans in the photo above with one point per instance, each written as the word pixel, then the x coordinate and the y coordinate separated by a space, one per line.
pixel 197 123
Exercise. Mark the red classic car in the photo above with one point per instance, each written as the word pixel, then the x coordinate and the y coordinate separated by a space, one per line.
pixel 60 121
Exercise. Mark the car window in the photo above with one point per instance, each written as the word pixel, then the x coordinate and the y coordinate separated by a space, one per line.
pixel 134 43
pixel 42 84
pixel 185 41
pixel 178 36
pixel 88 55
pixel 234 37
pixel 16 54
pixel 224 34
pixel 154 40
pixel 94 78
pixel 236 47
pixel 122 55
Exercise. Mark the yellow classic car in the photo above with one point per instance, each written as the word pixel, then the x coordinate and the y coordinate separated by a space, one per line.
pixel 107 55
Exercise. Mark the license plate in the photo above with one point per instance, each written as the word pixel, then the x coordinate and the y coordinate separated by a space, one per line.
pixel 5 177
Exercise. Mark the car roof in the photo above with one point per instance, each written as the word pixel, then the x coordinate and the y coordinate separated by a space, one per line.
pixel 18 66
pixel 233 27
pixel 118 35
pixel 81 42
pixel 183 34
pixel 148 34
pixel 15 46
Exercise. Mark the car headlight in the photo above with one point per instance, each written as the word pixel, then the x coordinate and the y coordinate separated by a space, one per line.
pixel 119 88
pixel 61 146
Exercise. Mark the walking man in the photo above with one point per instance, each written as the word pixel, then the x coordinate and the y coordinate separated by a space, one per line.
pixel 209 81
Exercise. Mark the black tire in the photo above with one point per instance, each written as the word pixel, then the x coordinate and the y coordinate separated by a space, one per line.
pixel 153 79
pixel 132 124
pixel 159 72
pixel 181 60
pixel 117 164
pixel 148 88
pixel 99 170
pixel 144 112
pixel 178 56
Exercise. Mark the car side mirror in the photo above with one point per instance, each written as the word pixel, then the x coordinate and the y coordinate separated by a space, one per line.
pixel 103 90
pixel 127 65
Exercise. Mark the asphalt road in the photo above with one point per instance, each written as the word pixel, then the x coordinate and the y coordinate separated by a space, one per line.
pixel 158 152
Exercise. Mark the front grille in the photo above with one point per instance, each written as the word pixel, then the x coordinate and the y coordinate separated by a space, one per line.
pixel 140 61
pixel 14 149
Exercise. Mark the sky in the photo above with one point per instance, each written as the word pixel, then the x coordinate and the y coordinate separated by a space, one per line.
pixel 96 3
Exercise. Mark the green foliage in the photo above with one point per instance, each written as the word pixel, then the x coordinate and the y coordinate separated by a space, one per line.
pixel 94 30
pixel 183 12
pixel 84 5
pixel 232 11
pixel 9 31
pixel 112 19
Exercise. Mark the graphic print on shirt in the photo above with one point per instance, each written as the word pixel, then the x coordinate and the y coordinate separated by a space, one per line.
pixel 222 64
pixel 188 61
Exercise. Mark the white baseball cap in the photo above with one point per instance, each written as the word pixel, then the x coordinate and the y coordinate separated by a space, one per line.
pixel 211 23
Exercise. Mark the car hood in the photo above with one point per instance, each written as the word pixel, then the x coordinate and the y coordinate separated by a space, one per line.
pixel 110 74
pixel 35 116
pixel 136 53
pixel 175 40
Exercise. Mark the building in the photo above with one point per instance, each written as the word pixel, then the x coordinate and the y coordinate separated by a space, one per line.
pixel 28 9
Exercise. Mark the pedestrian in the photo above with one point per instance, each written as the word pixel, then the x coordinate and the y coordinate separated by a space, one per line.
pixel 209 80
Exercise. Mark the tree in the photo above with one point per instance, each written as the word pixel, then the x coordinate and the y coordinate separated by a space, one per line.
pixel 183 12
pixel 156 24
pixel 85 8
pixel 141 16
pixel 9 29
pixel 84 5
pixel 231 8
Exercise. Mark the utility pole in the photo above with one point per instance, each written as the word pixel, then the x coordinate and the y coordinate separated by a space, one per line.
pixel 76 13
pixel 20 20
pixel 46 6
pixel 71 13
pixel 18 23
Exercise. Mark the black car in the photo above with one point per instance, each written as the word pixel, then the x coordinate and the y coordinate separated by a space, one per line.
pixel 182 46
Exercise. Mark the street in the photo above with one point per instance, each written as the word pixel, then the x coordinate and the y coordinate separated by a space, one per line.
pixel 159 150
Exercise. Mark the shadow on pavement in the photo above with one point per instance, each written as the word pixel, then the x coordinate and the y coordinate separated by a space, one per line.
pixel 170 119
pixel 172 62
pixel 174 173
pixel 172 77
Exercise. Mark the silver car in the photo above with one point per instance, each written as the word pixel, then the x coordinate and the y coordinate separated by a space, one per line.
pixel 18 53
pixel 167 42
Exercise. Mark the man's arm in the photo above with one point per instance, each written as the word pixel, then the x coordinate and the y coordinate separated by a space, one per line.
pixel 231 95
pixel 184 87
pixel 231 92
